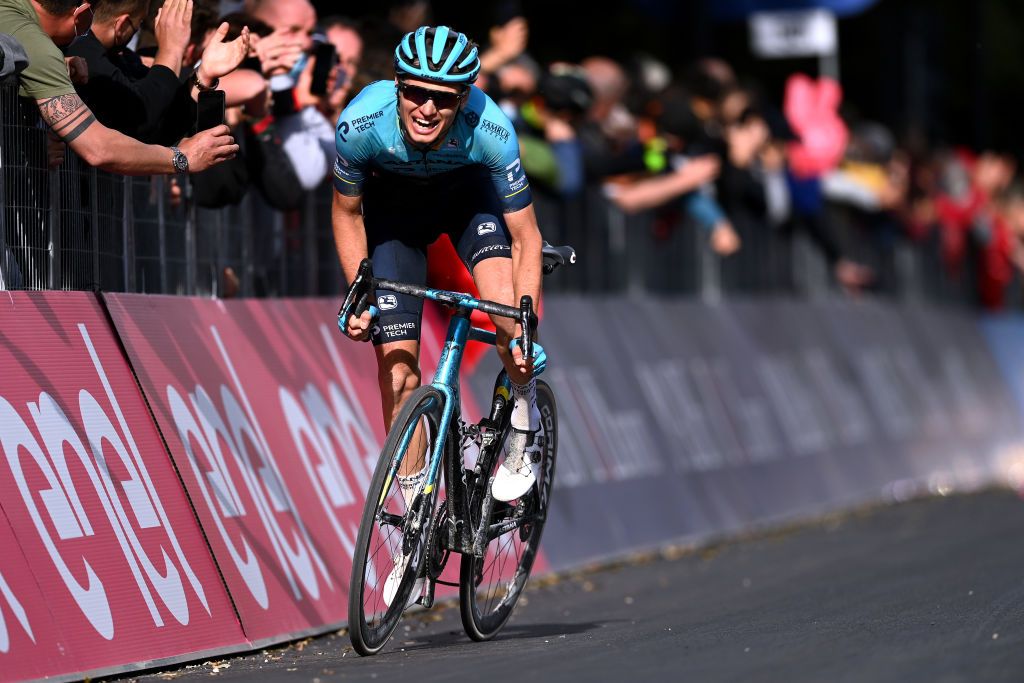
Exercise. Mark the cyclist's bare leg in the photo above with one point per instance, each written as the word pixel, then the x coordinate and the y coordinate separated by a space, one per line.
pixel 517 472
pixel 493 278
pixel 398 375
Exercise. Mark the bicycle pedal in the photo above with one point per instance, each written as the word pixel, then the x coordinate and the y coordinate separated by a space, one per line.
pixel 427 599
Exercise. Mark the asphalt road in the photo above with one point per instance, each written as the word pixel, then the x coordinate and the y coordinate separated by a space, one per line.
pixel 931 590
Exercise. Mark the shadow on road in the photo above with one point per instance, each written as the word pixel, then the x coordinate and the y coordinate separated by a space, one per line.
pixel 511 632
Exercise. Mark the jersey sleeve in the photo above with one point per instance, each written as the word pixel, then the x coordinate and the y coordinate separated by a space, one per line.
pixel 500 154
pixel 355 139
pixel 351 161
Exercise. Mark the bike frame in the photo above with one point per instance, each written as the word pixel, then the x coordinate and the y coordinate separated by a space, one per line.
pixel 446 381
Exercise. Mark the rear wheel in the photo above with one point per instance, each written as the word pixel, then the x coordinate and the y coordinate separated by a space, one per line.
pixel 391 534
pixel 489 587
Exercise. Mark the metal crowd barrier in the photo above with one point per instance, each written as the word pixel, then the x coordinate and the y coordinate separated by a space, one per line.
pixel 77 228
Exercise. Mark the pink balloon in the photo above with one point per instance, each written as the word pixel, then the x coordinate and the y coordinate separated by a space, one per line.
pixel 812 109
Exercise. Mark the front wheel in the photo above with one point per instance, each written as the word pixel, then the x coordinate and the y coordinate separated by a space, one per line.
pixel 392 533
pixel 489 587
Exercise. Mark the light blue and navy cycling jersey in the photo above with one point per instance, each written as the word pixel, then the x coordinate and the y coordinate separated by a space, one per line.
pixel 370 142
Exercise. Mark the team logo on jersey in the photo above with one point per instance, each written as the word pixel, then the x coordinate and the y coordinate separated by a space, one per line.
pixel 453 143
pixel 387 302
pixel 472 118
pixel 495 130
pixel 486 228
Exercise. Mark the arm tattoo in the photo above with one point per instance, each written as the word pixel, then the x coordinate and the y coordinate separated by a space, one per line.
pixel 79 129
pixel 67 115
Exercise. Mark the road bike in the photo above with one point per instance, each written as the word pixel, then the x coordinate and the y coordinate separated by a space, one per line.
pixel 498 541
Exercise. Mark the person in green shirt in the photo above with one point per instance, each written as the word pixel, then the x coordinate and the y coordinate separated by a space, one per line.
pixel 41 26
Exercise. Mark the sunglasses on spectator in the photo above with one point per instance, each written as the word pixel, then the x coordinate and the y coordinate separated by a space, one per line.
pixel 441 98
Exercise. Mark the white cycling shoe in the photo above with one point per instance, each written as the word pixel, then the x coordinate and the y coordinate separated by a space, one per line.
pixel 519 472
pixel 394 580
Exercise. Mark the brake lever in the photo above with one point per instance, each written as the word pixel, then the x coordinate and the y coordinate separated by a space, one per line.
pixel 357 299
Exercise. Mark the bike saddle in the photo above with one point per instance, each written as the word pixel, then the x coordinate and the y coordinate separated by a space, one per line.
pixel 557 256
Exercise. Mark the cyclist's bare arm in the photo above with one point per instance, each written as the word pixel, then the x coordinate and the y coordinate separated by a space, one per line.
pixel 72 120
pixel 526 263
pixel 350 241
pixel 526 253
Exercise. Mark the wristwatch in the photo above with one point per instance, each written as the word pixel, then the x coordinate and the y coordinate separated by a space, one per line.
pixel 179 160
pixel 199 84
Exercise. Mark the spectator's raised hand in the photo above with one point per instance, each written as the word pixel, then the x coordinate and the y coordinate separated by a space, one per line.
pixel 557 130
pixel 724 239
pixel 78 70
pixel 703 169
pixel 208 148
pixel 508 41
pixel 852 277
pixel 278 52
pixel 303 96
pixel 173 29
pixel 222 57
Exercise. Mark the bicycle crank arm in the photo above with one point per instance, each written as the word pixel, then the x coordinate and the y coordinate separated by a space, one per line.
pixel 397 521
pixel 427 600
pixel 480 538
pixel 510 525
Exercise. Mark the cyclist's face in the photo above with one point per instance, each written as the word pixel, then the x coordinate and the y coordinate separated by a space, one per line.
pixel 427 108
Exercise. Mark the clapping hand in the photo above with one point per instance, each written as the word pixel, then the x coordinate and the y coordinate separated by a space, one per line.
pixel 173 29
pixel 222 57
pixel 278 52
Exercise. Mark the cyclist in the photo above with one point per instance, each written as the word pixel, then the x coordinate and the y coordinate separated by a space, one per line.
pixel 427 154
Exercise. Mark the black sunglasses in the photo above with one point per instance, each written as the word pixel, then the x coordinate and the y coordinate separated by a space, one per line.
pixel 419 96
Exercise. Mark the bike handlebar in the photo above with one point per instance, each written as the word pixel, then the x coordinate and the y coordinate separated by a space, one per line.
pixel 358 300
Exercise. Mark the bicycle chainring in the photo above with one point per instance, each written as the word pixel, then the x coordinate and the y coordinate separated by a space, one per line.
pixel 437 553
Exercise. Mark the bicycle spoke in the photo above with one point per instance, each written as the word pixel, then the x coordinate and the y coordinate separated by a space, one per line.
pixel 491 585
pixel 390 539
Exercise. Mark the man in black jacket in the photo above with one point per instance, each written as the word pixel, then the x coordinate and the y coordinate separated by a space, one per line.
pixel 126 95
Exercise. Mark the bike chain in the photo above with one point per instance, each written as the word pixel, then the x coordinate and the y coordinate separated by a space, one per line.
pixel 437 553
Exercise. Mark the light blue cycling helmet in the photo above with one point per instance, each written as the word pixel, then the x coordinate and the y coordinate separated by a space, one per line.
pixel 437 54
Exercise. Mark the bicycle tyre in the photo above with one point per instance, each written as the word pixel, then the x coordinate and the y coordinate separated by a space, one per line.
pixel 370 632
pixel 487 603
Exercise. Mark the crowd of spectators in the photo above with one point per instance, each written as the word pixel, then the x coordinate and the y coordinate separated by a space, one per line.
pixel 693 144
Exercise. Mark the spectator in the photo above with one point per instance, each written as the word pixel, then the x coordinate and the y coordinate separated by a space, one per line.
pixel 740 187
pixel 514 85
pixel 408 15
pixel 508 40
pixel 343 33
pixel 128 96
pixel 551 151
pixel 12 62
pixel 610 85
pixel 682 176
pixel 307 136
pixel 261 161
pixel 43 26
pixel 609 135
pixel 377 61
pixel 13 59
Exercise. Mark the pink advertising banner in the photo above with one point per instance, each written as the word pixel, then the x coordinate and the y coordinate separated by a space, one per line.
pixel 104 563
